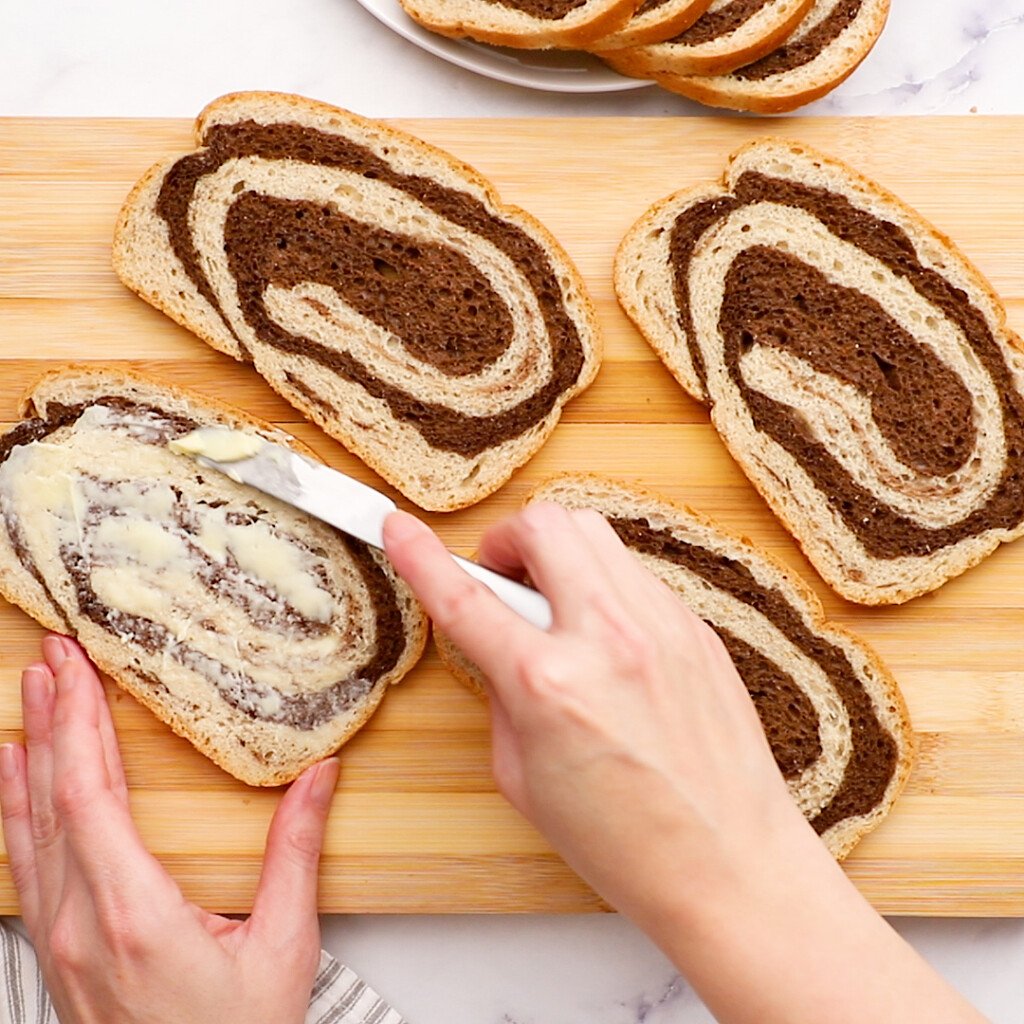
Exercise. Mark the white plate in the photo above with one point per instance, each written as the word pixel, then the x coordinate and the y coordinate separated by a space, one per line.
pixel 553 70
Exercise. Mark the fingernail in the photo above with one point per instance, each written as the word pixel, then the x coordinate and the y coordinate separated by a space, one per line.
pixel 401 526
pixel 8 762
pixel 71 649
pixel 53 652
pixel 35 688
pixel 321 789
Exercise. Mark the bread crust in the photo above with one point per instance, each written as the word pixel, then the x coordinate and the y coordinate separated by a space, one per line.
pixel 114 379
pixel 488 22
pixel 718 57
pixel 134 243
pixel 787 91
pixel 670 345
pixel 663 22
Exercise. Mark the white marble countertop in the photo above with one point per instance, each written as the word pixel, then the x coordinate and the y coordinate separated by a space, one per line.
pixel 143 58
pixel 148 58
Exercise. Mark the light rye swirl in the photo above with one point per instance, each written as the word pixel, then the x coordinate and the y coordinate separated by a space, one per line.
pixel 831 711
pixel 858 367
pixel 376 284
pixel 259 633
pixel 823 50
pixel 729 34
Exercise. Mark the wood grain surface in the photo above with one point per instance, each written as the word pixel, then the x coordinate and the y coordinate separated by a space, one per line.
pixel 417 826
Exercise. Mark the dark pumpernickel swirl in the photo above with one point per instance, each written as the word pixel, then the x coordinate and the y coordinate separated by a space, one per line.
pixel 803 47
pixel 921 407
pixel 787 715
pixel 430 297
pixel 650 5
pixel 715 24
pixel 549 10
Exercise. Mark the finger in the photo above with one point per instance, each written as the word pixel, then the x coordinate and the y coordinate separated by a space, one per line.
pixel 100 835
pixel 108 737
pixel 631 591
pixel 499 548
pixel 38 698
pixel 547 542
pixel 608 546
pixel 463 609
pixel 285 905
pixel 17 825
pixel 54 652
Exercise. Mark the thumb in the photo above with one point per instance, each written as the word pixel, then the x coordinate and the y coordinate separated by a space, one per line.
pixel 285 905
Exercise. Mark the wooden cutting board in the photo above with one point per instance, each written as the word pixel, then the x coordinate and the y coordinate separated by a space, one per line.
pixel 416 825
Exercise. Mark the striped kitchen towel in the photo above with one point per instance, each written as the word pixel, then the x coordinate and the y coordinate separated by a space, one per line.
pixel 338 997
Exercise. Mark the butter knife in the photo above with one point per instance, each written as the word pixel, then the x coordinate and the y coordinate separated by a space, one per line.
pixel 337 499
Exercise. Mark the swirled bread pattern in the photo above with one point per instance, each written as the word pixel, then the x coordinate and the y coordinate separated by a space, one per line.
pixel 259 633
pixel 722 18
pixel 832 713
pixel 857 366
pixel 820 52
pixel 730 34
pixel 653 20
pixel 378 285
pixel 523 23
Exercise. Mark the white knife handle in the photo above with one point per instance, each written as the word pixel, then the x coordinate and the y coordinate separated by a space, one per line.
pixel 527 602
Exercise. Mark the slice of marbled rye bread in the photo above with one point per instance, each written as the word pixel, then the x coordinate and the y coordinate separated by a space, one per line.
pixel 857 366
pixel 728 35
pixel 832 712
pixel 652 21
pixel 529 24
pixel 378 285
pixel 260 634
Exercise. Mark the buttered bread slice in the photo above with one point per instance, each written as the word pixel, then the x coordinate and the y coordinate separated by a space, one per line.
pixel 258 633
pixel 378 284
pixel 858 368
pixel 831 711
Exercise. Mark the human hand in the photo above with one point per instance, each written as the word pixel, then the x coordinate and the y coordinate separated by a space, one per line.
pixel 625 733
pixel 116 940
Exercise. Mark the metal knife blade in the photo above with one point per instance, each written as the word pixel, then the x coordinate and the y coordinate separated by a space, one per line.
pixel 351 506
pixel 337 499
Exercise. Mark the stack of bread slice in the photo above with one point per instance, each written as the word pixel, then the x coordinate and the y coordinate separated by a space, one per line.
pixel 786 54
pixel 766 56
